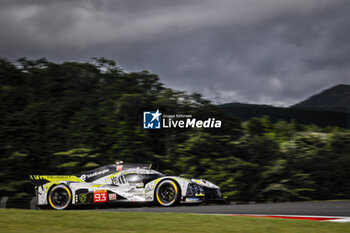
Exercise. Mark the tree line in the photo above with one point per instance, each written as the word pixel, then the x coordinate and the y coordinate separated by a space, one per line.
pixel 66 118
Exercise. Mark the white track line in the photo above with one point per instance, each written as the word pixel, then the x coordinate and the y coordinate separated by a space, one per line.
pixel 296 217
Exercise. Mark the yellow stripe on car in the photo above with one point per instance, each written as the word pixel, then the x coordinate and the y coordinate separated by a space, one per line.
pixel 56 178
pixel 113 175
pixel 156 181
pixel 48 186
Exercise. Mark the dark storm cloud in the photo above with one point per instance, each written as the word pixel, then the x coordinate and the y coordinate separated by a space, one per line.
pixel 257 51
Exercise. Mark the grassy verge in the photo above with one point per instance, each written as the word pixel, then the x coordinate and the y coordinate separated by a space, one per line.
pixel 23 221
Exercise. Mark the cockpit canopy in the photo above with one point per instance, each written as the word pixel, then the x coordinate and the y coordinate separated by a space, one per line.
pixel 142 178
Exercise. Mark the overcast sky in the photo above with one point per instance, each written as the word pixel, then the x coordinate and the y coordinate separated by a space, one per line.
pixel 272 51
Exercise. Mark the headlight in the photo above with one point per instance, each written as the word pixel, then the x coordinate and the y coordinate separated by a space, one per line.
pixel 190 190
pixel 194 190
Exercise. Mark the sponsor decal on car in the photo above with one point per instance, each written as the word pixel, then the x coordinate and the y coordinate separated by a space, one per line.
pixel 85 176
pixel 192 199
pixel 100 196
pixel 82 197
pixel 112 196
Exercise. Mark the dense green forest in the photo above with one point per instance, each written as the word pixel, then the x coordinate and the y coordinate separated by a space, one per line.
pixel 71 117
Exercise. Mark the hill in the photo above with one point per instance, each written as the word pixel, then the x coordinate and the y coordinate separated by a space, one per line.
pixel 305 116
pixel 330 107
pixel 336 98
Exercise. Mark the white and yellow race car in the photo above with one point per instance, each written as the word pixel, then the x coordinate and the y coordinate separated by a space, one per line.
pixel 121 183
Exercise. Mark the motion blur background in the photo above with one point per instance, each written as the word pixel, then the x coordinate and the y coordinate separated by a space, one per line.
pixel 71 117
pixel 68 113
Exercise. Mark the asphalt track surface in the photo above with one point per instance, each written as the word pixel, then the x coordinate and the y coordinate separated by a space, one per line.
pixel 322 208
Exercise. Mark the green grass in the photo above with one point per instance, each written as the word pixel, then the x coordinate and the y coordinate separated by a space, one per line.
pixel 23 221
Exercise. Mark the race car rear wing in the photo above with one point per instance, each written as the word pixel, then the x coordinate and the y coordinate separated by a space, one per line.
pixel 39 180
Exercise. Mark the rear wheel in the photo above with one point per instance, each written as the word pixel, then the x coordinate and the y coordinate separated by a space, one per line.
pixel 167 193
pixel 60 197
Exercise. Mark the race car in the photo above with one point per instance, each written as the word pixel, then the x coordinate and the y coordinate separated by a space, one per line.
pixel 121 183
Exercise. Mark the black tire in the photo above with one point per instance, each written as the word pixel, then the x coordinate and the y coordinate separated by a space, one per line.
pixel 167 193
pixel 60 197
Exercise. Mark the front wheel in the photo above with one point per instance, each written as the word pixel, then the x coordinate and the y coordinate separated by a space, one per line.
pixel 60 197
pixel 168 193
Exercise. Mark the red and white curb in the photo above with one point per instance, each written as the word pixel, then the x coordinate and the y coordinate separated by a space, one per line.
pixel 297 217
